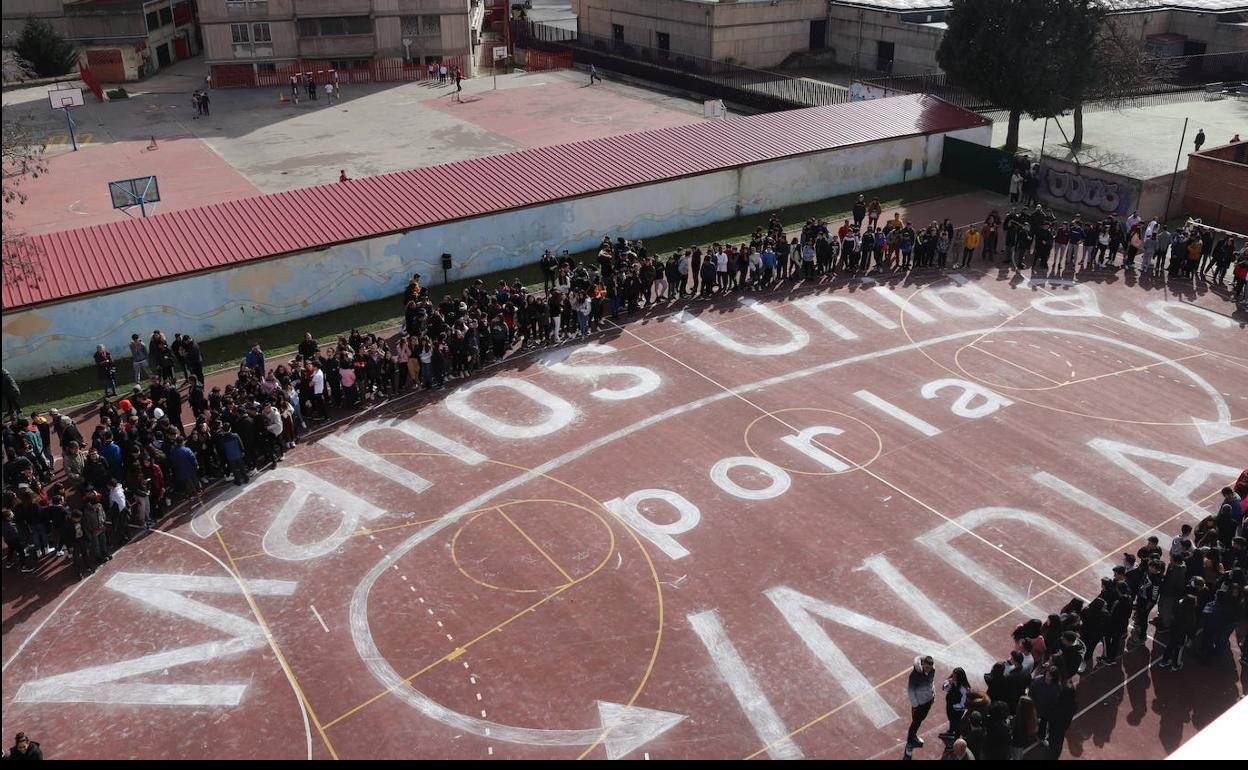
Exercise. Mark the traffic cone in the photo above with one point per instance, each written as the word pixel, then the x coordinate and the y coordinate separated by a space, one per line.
pixel 281 97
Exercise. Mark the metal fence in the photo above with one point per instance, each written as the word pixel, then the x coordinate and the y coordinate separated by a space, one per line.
pixel 759 89
pixel 377 71
pixel 1177 78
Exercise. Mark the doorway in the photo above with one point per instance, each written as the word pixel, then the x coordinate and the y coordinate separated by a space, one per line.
pixel 884 52
pixel 818 34
pixel 163 58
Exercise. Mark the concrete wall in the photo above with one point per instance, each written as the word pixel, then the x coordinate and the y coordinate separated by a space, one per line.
pixel 63 335
pixel 1091 192
pixel 854 32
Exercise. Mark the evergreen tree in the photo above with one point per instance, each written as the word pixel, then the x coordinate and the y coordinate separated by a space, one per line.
pixel 41 45
pixel 1023 56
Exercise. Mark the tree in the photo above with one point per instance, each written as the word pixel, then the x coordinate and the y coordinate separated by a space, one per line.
pixel 48 53
pixel 1024 56
pixel 22 157
pixel 1123 69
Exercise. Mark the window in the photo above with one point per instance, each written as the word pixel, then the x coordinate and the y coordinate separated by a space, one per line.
pixel 247 7
pixel 331 26
pixel 665 41
pixel 153 21
pixel 166 16
pixel 617 32
pixel 431 25
pixel 266 66
pixel 251 40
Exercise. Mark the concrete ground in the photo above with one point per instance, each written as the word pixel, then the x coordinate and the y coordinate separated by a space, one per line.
pixel 618 550
pixel 253 143
pixel 1139 142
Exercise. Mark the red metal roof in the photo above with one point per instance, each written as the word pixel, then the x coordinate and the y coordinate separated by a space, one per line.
pixel 121 254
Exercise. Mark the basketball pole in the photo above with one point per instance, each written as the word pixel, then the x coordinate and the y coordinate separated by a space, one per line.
pixel 69 124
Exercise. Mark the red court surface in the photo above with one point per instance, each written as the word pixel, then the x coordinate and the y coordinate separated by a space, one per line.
pixel 541 109
pixel 74 192
pixel 720 533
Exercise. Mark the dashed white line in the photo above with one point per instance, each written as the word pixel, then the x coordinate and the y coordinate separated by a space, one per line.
pixel 450 638
pixel 439 623
pixel 478 696
pixel 429 611
pixel 404 579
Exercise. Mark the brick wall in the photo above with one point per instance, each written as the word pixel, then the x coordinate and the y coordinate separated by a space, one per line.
pixel 1217 186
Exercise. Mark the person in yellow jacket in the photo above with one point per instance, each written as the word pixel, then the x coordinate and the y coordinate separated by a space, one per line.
pixel 970 242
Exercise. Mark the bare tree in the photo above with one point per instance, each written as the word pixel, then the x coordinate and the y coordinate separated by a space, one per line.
pixel 1124 70
pixel 22 158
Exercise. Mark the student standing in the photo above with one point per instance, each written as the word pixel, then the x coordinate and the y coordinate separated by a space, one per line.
pixel 921 693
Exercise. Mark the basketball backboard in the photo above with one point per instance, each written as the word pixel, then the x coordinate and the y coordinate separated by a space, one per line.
pixel 141 191
pixel 64 98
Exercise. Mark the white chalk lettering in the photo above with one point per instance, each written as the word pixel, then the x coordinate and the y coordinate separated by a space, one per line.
pixel 962 406
pixel 799 611
pixel 804 442
pixel 732 669
pixel 907 307
pixel 1179 491
pixel 1079 302
pixel 779 479
pixel 99 684
pixel 647 381
pixel 964 299
pixel 559 413
pixel 1179 328
pixel 349 509
pixel 897 413
pixel 629 510
pixel 813 307
pixel 798 337
pixel 1026 526
pixel 1094 504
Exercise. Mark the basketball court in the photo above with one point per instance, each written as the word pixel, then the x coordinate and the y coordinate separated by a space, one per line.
pixel 720 532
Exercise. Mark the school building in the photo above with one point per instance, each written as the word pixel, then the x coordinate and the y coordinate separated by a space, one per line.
pixel 268 36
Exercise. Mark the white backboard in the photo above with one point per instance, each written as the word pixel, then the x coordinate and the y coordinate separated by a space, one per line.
pixel 61 98
pixel 500 52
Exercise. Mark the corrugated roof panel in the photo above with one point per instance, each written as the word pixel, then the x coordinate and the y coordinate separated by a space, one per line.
pixel 119 254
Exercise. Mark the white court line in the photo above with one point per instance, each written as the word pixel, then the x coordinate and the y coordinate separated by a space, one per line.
pixel 268 635
pixel 736 392
pixel 42 623
pixel 319 619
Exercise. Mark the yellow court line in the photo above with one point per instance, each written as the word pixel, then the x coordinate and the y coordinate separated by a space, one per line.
pixel 452 655
pixel 962 373
pixel 1167 362
pixel 358 533
pixel 969 635
pixel 255 607
pixel 1016 365
pixel 533 543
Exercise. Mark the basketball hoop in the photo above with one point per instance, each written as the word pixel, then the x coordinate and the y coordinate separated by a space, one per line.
pixel 65 99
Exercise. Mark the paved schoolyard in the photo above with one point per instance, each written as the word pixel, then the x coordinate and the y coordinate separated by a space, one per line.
pixel 720 530
pixel 253 143
pixel 1139 142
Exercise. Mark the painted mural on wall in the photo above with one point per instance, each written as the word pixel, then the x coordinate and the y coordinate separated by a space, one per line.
pixel 1068 186
pixel 63 336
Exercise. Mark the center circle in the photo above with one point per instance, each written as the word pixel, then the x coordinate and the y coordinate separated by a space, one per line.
pixel 753 438
pixel 545 532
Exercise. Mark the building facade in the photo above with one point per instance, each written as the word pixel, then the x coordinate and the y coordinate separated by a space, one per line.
pixel 895 36
pixel 340 34
pixel 120 40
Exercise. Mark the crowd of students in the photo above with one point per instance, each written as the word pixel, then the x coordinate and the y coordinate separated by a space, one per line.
pixel 146 443
pixel 1188 596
